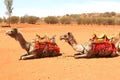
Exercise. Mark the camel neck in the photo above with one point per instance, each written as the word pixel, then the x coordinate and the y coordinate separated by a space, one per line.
pixel 72 42
pixel 22 41
pixel 117 44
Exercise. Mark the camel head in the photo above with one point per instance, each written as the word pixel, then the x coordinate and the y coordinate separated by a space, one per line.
pixel 115 38
pixel 116 41
pixel 65 36
pixel 68 37
pixel 13 32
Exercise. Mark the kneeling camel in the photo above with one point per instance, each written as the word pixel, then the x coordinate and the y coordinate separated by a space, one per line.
pixel 88 50
pixel 33 48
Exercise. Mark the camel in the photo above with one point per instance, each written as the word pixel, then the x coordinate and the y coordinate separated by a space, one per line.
pixel 86 50
pixel 116 40
pixel 35 49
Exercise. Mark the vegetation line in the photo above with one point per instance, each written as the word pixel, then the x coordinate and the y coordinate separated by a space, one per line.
pixel 107 18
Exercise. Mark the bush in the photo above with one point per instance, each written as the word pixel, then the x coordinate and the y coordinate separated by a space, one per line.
pixel 32 19
pixel 1 20
pixel 4 20
pixel 29 19
pixel 117 21
pixel 98 20
pixel 51 20
pixel 66 20
pixel 79 21
pixel 85 20
pixel 14 19
pixel 106 21
pixel 22 19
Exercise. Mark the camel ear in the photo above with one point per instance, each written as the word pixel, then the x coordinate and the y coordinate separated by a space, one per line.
pixel 15 30
pixel 69 33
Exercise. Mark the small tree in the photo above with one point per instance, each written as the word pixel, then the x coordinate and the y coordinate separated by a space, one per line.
pixel 9 8
pixel 4 19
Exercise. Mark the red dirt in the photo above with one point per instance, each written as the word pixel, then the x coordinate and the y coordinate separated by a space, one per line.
pixel 57 68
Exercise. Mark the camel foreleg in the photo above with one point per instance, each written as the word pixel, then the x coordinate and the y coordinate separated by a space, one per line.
pixel 114 54
pixel 27 56
pixel 80 56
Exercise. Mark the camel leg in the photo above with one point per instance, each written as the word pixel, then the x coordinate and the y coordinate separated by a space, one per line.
pixel 27 56
pixel 80 56
pixel 114 54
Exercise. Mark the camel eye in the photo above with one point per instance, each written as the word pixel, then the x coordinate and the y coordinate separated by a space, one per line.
pixel 11 31
pixel 69 33
pixel 65 35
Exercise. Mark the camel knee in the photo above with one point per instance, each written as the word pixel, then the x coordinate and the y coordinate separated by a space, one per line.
pixel 114 54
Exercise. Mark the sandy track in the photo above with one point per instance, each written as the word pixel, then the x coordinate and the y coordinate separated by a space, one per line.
pixel 57 68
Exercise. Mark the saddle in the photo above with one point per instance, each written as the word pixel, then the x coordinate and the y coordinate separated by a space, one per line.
pixel 43 39
pixel 45 44
pixel 101 39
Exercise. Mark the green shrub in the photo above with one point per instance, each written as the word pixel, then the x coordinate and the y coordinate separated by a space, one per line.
pixel 66 20
pixel 80 20
pixel 23 19
pixel 1 20
pixel 117 21
pixel 98 20
pixel 51 20
pixel 14 19
pixel 85 20
pixel 32 19
pixel 29 19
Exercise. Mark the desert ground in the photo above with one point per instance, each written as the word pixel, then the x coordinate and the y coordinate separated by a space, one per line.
pixel 56 68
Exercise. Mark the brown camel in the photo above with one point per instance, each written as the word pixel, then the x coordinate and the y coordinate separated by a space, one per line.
pixel 88 50
pixel 35 49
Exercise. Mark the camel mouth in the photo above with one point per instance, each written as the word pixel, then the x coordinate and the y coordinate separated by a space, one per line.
pixel 61 37
pixel 8 32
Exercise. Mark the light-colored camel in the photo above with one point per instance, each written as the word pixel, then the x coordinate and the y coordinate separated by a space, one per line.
pixel 116 41
pixel 30 47
pixel 85 51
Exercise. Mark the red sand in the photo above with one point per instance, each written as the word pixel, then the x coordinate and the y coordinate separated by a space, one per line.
pixel 57 68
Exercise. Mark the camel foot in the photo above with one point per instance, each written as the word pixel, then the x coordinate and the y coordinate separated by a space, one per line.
pixel 25 57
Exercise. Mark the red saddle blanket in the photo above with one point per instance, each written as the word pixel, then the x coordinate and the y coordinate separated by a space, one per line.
pixel 103 49
pixel 47 46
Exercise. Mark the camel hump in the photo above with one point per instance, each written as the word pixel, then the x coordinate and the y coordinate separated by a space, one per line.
pixel 101 39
